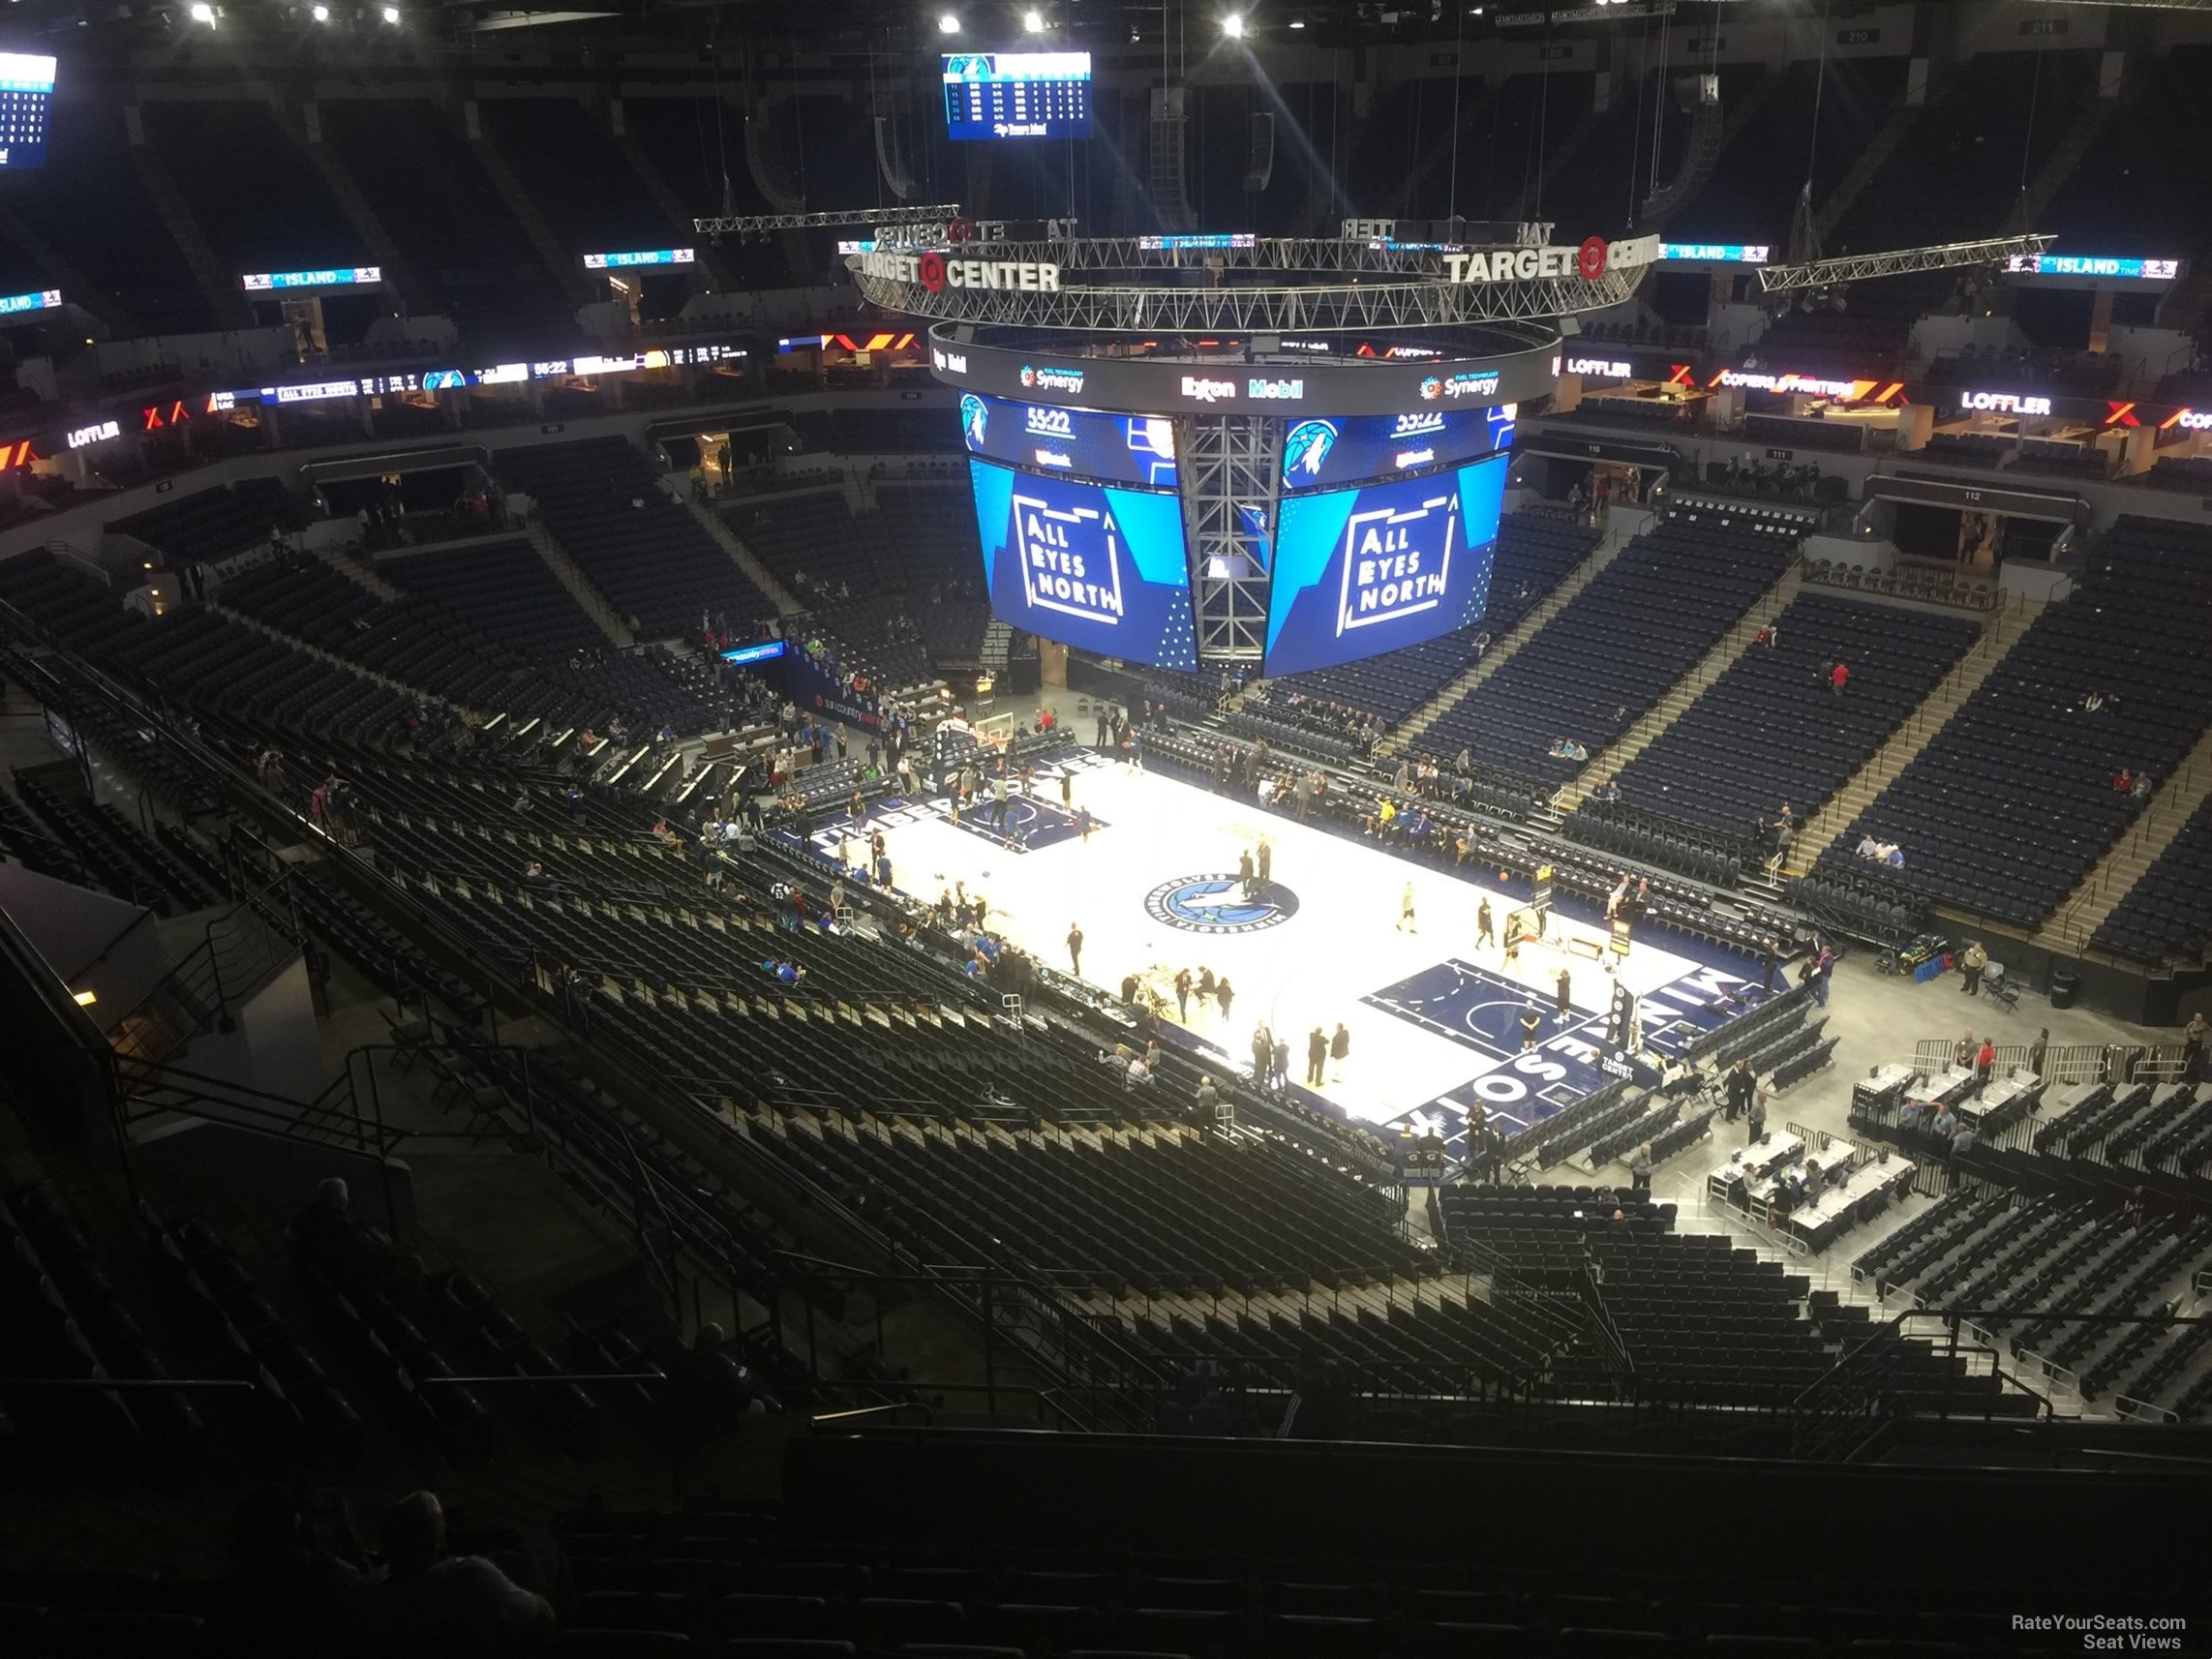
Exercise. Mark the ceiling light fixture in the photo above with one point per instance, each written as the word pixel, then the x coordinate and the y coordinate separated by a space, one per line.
pixel 1033 20
pixel 947 23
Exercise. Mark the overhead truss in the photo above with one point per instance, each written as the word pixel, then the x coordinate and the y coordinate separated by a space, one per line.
pixel 1409 302
pixel 1899 262
pixel 764 224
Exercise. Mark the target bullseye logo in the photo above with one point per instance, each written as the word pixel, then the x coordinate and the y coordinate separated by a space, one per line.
pixel 931 268
pixel 1590 258
pixel 960 231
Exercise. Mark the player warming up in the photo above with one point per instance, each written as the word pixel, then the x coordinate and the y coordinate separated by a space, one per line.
pixel 1406 910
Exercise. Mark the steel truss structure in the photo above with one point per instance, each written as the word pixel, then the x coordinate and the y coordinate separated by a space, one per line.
pixel 1429 301
pixel 766 223
pixel 1899 262
pixel 1267 254
pixel 1230 465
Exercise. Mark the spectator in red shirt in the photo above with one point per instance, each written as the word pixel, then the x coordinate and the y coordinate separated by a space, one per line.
pixel 2123 780
pixel 1839 676
pixel 1985 1059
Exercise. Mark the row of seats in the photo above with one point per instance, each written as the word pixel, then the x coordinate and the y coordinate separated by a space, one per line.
pixel 1981 830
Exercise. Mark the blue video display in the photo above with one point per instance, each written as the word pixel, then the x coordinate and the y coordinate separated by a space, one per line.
pixel 1086 564
pixel 1018 95
pixel 1326 454
pixel 1359 572
pixel 26 96
pixel 1112 448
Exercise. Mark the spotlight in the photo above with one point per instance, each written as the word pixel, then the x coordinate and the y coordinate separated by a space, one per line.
pixel 1033 20
pixel 947 23
pixel 1232 26
pixel 391 14
pixel 203 13
pixel 1298 22
pixel 320 14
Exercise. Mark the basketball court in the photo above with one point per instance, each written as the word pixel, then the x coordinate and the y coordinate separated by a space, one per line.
pixel 1434 1018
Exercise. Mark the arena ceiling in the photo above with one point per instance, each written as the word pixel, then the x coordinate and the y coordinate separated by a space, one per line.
pixel 878 25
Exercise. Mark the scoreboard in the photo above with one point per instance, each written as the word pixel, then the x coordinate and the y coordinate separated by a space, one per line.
pixel 26 94
pixel 1018 95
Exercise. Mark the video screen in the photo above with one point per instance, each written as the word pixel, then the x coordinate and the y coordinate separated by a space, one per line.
pixel 1018 95
pixel 1326 454
pixel 1087 564
pixel 1112 448
pixel 1359 572
pixel 26 98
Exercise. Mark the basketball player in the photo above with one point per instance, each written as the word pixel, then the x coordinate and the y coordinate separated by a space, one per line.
pixel 1406 910
pixel 1531 1022
pixel 1482 933
pixel 1565 1007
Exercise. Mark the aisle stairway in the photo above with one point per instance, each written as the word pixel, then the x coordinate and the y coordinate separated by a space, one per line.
pixel 1683 692
pixel 611 621
pixel 2072 926
pixel 1630 523
pixel 305 648
pixel 1999 634
pixel 744 558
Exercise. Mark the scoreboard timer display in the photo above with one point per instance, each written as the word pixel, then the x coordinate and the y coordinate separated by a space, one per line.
pixel 1018 95
pixel 26 94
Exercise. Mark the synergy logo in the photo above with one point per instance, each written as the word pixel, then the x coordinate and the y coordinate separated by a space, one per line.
pixel 975 418
pixel 1207 391
pixel 1306 449
pixel 1071 559
pixel 1052 379
pixel 1470 383
pixel 1431 389
pixel 1275 391
pixel 1216 904
pixel 1397 563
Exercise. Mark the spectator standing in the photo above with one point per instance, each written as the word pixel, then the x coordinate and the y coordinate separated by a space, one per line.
pixel 1755 1126
pixel 1971 962
pixel 1075 949
pixel 1262 1053
pixel 1225 994
pixel 1266 862
pixel 1246 870
pixel 1838 678
pixel 1317 1057
pixel 1639 1171
pixel 1740 1090
pixel 1531 1022
pixel 2191 1044
pixel 1340 1050
pixel 1182 995
pixel 1985 1059
pixel 1282 1066
pixel 1824 966
pixel 1564 1004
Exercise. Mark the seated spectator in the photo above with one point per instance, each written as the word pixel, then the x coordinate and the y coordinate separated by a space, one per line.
pixel 354 1253
pixel 424 1604
pixel 283 1593
pixel 2124 781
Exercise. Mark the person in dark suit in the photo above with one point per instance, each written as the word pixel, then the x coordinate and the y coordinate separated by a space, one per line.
pixel 1317 1056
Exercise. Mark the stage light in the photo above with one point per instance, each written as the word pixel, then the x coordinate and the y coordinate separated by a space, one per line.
pixel 1232 26
pixel 391 14
pixel 203 14
pixel 1298 22
pixel 1034 22
pixel 947 23
pixel 320 14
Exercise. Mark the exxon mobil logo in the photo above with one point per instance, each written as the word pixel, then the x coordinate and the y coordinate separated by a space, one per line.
pixel 1275 391
pixel 1203 390
pixel 949 362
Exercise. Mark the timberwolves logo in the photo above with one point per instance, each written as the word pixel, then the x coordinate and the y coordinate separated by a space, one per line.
pixel 1306 449
pixel 1216 904
pixel 974 416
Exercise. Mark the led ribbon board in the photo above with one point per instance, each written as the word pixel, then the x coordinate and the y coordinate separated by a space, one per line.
pixel 1360 572
pixel 1328 452
pixel 1095 568
pixel 1079 443
pixel 651 256
pixel 1018 95
pixel 15 305
pixel 26 98
pixel 2092 265
pixel 333 276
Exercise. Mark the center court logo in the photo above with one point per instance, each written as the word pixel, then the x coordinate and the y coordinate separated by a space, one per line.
pixel 1216 904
